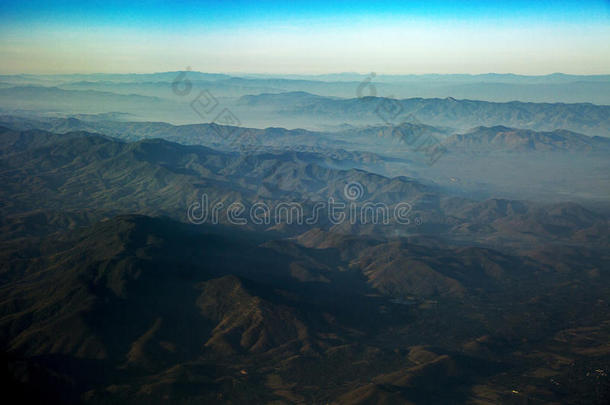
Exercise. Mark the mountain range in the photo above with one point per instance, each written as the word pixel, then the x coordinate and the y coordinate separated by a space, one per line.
pixel 391 250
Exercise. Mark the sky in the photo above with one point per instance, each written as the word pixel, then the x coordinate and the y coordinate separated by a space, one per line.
pixel 305 37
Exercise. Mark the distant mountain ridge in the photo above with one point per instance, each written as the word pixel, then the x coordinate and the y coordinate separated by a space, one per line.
pixel 586 118
pixel 501 138
pixel 478 139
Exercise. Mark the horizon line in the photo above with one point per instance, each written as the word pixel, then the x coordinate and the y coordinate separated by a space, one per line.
pixel 308 74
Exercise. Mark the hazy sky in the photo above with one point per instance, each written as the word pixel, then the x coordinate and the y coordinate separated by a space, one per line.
pixel 526 37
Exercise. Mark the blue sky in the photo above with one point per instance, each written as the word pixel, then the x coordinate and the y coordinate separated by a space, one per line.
pixel 528 37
